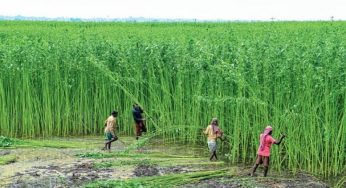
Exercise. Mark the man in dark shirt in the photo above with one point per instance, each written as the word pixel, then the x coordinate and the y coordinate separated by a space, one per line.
pixel 139 120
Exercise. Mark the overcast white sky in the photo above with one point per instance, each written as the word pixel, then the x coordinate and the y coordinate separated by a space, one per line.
pixel 193 9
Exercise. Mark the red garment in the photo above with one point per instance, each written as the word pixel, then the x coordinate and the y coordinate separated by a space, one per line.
pixel 267 143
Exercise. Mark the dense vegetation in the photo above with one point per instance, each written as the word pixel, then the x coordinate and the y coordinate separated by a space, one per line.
pixel 64 79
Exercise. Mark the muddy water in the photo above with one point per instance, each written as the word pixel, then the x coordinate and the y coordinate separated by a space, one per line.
pixel 53 167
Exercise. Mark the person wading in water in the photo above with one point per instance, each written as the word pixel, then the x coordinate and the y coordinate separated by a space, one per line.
pixel 213 132
pixel 110 130
pixel 263 153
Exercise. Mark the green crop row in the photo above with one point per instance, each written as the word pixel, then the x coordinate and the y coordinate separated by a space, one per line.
pixel 64 79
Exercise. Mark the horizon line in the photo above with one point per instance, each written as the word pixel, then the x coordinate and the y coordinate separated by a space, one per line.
pixel 148 19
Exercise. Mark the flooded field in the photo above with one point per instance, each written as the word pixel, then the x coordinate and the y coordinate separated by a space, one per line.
pixel 80 162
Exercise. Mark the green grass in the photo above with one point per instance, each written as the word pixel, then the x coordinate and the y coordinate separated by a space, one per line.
pixel 160 181
pixel 7 159
pixel 341 183
pixel 150 159
pixel 63 79
pixel 122 162
pixel 50 144
pixel 11 143
pixel 7 142
pixel 133 154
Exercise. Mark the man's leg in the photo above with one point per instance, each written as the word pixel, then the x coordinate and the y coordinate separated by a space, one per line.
pixel 138 129
pixel 212 156
pixel 254 169
pixel 265 171
pixel 106 146
pixel 144 128
pixel 109 145
pixel 114 138
pixel 266 166
pixel 107 142
pixel 213 149
pixel 258 161
pixel 215 155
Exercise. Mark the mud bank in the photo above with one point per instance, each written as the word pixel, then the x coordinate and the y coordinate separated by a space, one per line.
pixel 148 166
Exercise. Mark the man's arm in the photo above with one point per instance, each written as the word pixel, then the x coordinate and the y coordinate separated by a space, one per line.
pixel 114 127
pixel 141 110
pixel 279 142
pixel 206 130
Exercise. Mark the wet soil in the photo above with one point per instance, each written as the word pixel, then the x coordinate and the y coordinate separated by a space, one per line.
pixel 233 182
pixel 51 167
pixel 73 175
pixel 146 170
pixel 4 152
pixel 154 170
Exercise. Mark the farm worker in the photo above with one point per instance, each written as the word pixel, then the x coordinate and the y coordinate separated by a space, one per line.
pixel 110 130
pixel 263 153
pixel 139 120
pixel 213 132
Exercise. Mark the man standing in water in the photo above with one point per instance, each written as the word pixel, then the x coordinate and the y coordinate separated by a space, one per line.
pixel 110 130
pixel 139 120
